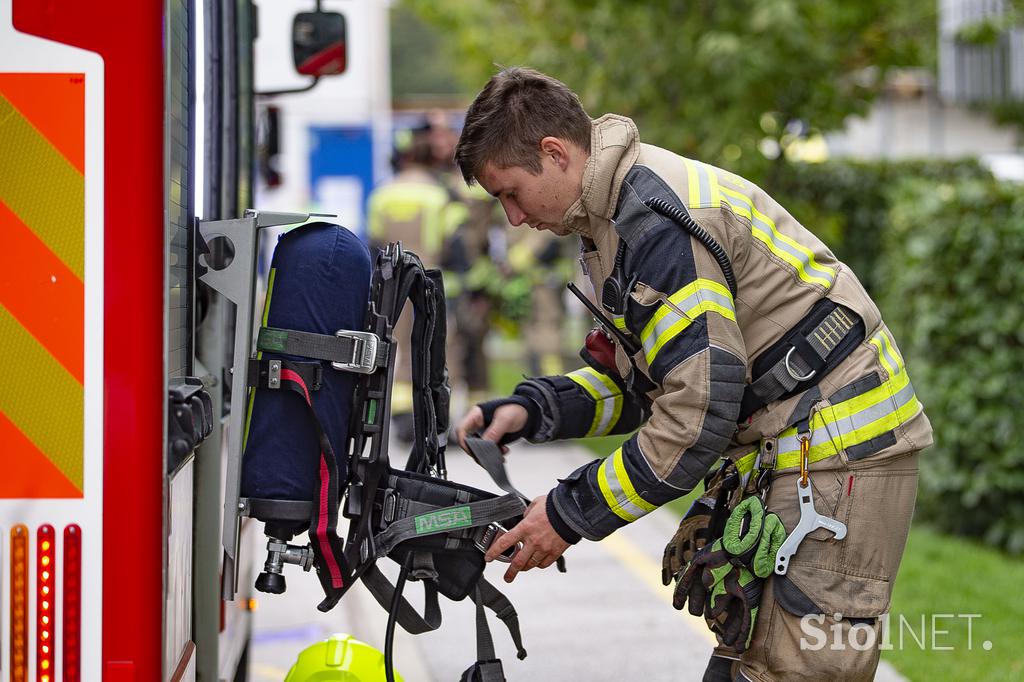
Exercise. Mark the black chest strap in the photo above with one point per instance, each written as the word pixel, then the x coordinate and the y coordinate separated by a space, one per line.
pixel 803 356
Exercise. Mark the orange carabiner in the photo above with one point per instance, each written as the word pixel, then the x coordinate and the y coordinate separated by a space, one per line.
pixel 805 449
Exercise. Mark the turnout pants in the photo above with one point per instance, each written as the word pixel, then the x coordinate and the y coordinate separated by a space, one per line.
pixel 821 621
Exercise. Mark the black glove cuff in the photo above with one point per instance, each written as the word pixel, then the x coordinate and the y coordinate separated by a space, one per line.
pixel 532 418
pixel 560 526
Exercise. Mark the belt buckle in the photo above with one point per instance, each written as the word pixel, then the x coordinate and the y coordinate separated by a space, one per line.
pixel 492 532
pixel 364 352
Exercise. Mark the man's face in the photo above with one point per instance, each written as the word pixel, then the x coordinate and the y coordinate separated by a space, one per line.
pixel 541 200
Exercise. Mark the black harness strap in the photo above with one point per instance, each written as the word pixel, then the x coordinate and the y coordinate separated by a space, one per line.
pixel 358 351
pixel 411 621
pixel 493 599
pixel 803 356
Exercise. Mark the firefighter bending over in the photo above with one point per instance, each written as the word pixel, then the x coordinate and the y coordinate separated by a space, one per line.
pixel 745 352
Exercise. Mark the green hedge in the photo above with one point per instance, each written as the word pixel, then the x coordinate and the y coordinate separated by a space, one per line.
pixel 847 203
pixel 951 286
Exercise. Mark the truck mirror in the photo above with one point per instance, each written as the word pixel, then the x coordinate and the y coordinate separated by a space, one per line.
pixel 318 43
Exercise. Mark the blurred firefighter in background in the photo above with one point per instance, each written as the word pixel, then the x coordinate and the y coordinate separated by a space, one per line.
pixel 490 273
pixel 471 280
pixel 538 268
pixel 410 208
pixel 514 277
pixel 470 274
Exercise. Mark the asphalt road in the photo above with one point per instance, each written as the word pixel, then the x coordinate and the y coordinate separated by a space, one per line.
pixel 607 618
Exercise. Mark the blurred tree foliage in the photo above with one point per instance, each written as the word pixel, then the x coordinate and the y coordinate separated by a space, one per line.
pixel 705 78
pixel 420 64
pixel 952 295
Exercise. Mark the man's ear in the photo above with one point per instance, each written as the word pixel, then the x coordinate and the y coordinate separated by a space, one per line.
pixel 557 149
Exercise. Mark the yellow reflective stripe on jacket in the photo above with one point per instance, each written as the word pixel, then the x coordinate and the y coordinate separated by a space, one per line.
pixel 693 300
pixel 846 424
pixel 887 353
pixel 618 490
pixel 797 255
pixel 619 321
pixel 852 421
pixel 607 399
pixel 745 463
pixel 703 185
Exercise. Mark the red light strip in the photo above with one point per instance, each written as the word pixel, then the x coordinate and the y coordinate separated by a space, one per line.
pixel 72 660
pixel 46 602
pixel 19 603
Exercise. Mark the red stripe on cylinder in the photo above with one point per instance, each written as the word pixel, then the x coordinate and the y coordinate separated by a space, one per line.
pixel 46 602
pixel 72 598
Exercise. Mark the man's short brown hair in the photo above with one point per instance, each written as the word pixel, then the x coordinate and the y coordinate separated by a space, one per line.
pixel 516 110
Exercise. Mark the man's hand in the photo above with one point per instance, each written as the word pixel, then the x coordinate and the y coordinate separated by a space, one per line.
pixel 507 419
pixel 541 544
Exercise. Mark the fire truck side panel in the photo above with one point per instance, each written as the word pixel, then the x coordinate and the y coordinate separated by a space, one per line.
pixel 51 316
pixel 129 126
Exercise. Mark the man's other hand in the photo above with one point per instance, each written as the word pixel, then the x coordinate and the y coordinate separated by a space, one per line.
pixel 541 544
pixel 507 419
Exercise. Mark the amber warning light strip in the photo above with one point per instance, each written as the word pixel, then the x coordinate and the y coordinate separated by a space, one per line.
pixel 19 603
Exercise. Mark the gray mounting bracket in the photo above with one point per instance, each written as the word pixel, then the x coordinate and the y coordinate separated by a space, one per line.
pixel 236 281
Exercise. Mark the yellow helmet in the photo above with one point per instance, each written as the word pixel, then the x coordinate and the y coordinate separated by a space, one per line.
pixel 341 658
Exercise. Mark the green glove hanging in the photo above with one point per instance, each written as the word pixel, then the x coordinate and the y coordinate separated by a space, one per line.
pixel 724 580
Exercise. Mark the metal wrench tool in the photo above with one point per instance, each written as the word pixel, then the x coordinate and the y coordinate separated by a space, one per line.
pixel 810 520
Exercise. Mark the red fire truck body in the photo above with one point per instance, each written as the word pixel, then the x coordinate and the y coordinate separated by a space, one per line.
pixel 110 491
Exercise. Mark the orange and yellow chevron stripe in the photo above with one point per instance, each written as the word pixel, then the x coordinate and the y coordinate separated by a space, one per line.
pixel 42 290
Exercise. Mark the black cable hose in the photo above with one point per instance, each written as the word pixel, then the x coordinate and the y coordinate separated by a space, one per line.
pixel 681 218
pixel 389 635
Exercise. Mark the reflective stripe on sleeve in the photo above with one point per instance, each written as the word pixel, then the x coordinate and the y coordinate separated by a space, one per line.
pixel 618 490
pixel 683 307
pixel 607 399
pixel 887 353
pixel 703 185
pixel 797 255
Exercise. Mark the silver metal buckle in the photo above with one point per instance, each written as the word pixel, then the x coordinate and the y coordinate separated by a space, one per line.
pixel 792 373
pixel 364 352
pixel 492 532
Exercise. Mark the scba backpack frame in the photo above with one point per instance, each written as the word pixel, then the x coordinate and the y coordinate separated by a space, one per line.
pixel 309 429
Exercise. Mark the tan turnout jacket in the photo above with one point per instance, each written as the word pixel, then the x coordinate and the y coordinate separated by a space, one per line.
pixel 700 344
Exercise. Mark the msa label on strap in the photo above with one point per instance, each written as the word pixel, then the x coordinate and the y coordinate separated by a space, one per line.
pixel 445 519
